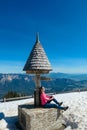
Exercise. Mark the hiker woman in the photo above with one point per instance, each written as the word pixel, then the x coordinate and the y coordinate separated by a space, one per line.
pixel 46 99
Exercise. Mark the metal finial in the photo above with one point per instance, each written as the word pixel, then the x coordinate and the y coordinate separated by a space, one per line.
pixel 37 37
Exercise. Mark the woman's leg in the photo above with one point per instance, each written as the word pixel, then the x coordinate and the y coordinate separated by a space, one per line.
pixel 50 105
pixel 54 100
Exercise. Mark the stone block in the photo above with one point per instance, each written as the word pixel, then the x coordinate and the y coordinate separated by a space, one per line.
pixel 31 118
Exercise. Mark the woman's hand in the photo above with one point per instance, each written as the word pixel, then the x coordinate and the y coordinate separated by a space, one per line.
pixel 52 98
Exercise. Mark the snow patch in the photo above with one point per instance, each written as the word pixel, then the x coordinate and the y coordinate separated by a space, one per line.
pixel 74 118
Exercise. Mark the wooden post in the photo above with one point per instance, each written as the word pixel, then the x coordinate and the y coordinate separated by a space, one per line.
pixel 36 92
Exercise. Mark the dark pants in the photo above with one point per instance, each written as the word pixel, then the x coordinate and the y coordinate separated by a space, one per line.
pixel 51 105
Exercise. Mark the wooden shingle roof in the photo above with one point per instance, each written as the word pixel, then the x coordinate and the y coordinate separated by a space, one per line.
pixel 37 61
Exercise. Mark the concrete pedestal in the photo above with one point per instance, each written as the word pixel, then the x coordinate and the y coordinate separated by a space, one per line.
pixel 31 118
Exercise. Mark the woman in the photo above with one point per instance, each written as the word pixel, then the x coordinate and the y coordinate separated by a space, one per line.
pixel 46 99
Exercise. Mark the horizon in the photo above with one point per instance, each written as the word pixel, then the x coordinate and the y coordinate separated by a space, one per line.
pixel 62 27
pixel 49 73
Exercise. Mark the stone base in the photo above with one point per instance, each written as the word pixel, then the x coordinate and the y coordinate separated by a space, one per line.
pixel 31 118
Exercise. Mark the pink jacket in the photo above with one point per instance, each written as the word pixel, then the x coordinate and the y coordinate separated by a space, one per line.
pixel 44 98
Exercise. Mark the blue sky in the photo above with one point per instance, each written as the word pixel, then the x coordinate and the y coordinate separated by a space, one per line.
pixel 62 27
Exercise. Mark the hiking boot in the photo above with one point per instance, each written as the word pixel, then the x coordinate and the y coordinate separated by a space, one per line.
pixel 65 108
pixel 60 103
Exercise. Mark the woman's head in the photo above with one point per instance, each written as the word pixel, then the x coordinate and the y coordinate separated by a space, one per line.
pixel 42 89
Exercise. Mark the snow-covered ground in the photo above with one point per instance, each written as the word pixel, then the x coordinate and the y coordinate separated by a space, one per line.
pixel 75 117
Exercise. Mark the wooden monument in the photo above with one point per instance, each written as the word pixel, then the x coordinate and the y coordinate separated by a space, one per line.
pixel 37 64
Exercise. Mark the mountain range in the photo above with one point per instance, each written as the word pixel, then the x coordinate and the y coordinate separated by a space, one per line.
pixel 24 83
pixel 69 76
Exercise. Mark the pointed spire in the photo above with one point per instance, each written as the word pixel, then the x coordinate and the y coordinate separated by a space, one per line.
pixel 37 37
pixel 37 61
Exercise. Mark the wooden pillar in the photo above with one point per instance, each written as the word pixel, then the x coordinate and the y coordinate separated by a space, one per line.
pixel 36 92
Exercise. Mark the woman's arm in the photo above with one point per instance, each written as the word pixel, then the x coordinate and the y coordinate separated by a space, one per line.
pixel 49 96
pixel 44 96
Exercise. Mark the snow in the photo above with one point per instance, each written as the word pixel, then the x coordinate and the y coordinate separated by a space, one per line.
pixel 9 114
pixel 75 117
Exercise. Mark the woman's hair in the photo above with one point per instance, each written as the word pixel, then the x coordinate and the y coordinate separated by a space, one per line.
pixel 41 88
